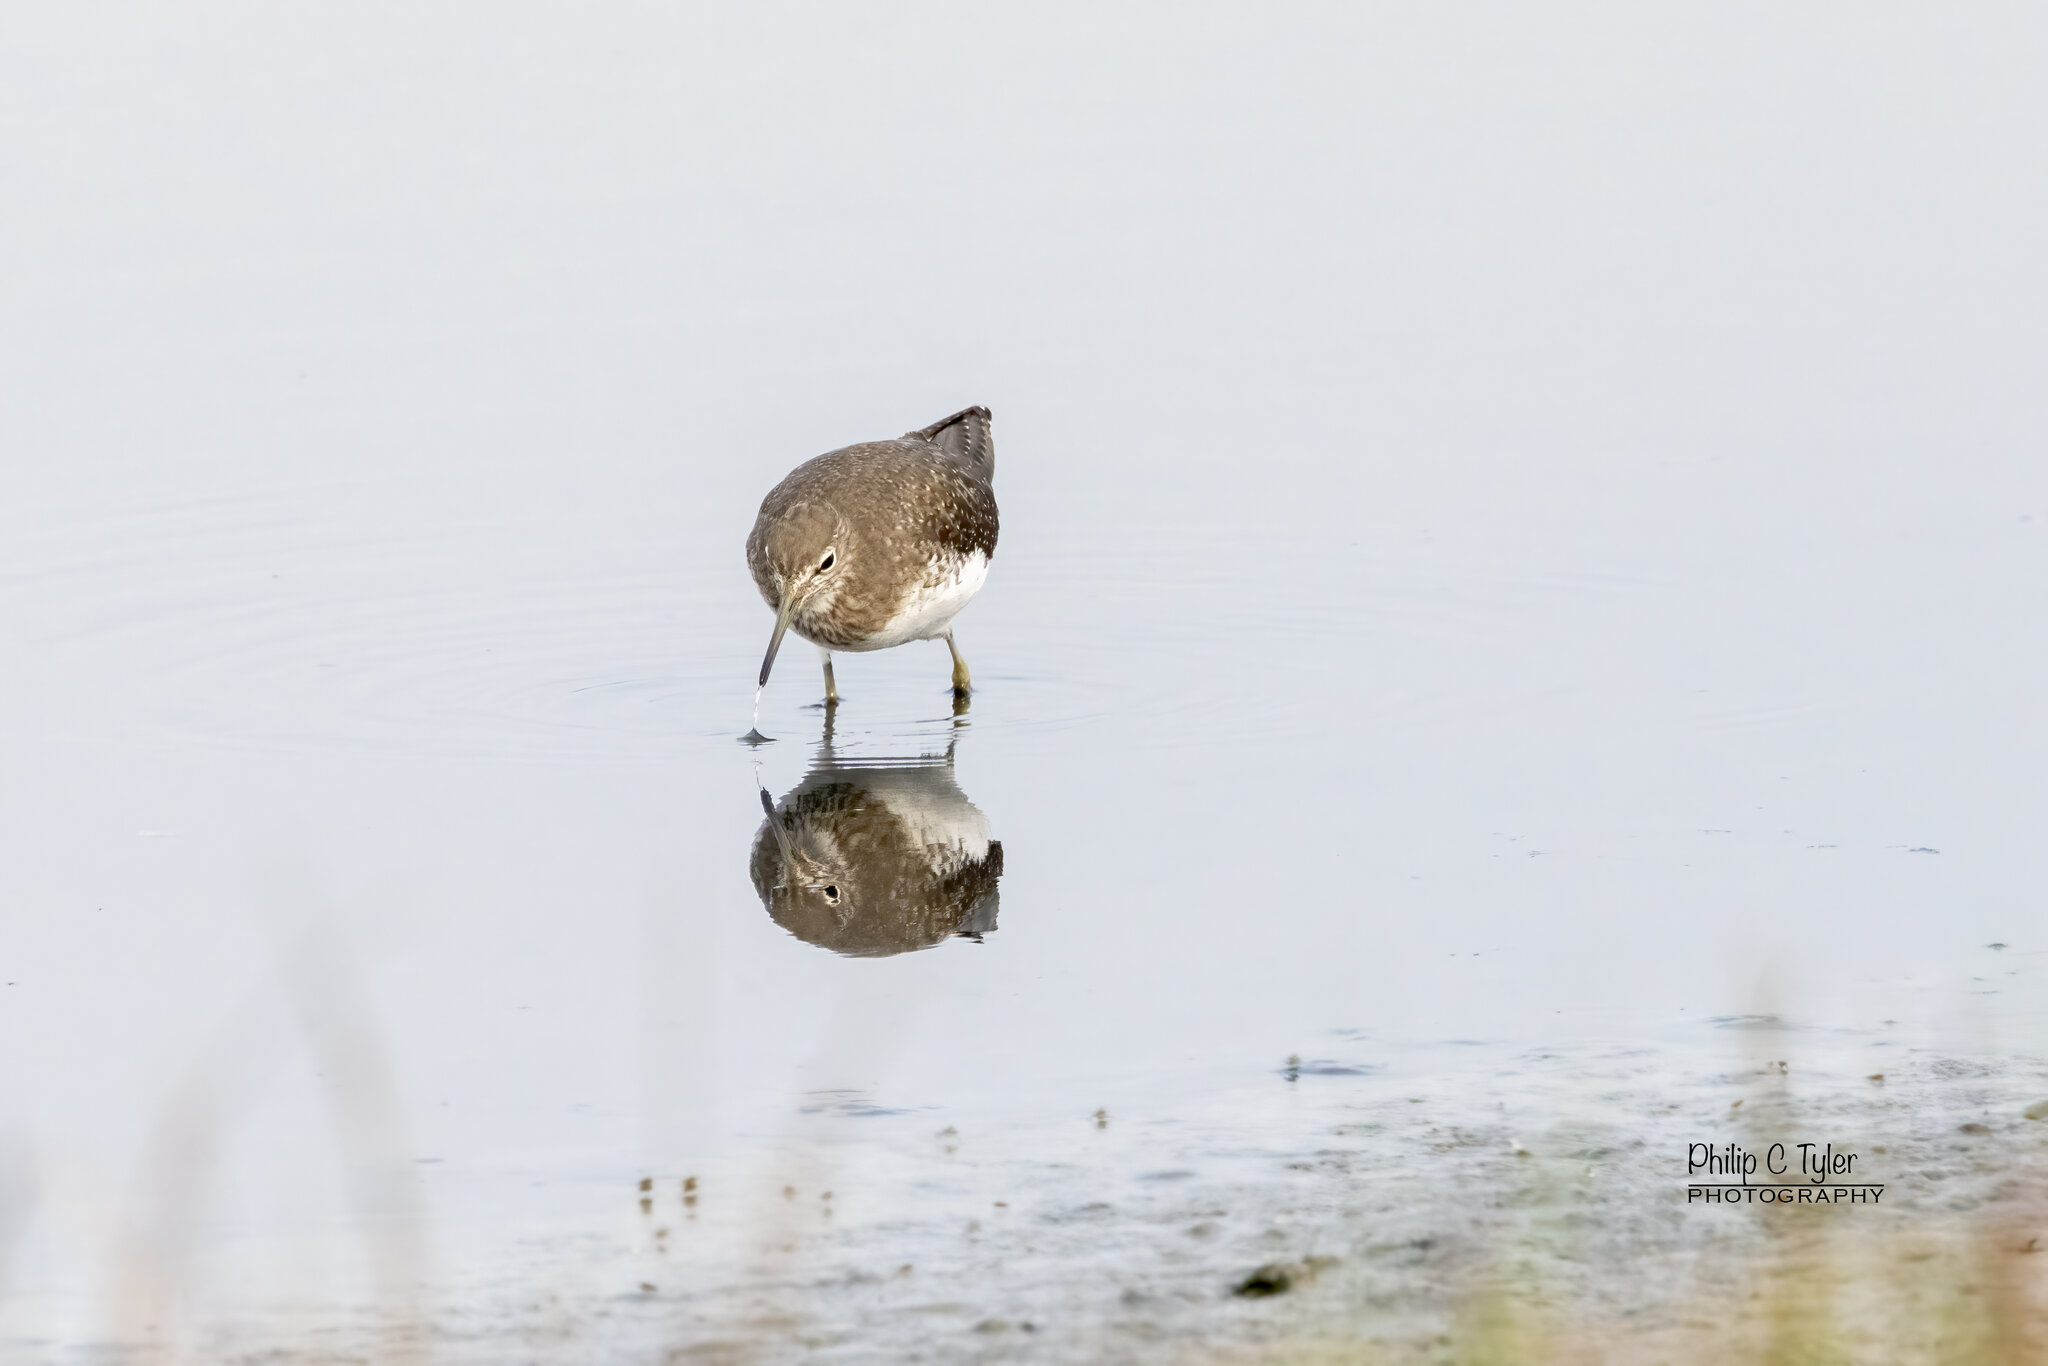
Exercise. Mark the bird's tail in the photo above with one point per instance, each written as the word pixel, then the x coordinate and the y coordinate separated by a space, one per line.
pixel 968 436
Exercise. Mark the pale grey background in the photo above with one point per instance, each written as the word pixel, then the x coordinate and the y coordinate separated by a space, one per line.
pixel 1560 484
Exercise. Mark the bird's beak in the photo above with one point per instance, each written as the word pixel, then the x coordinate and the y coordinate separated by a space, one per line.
pixel 775 641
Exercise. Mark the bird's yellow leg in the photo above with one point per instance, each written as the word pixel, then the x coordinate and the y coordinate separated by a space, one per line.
pixel 960 681
pixel 831 687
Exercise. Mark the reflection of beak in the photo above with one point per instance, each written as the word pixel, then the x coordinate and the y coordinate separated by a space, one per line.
pixel 775 641
pixel 781 836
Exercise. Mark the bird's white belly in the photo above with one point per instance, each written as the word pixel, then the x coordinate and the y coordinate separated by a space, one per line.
pixel 930 607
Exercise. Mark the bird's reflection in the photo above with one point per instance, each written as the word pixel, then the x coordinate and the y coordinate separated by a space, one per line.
pixel 870 859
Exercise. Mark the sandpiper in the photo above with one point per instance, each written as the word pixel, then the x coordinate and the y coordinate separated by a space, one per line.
pixel 873 545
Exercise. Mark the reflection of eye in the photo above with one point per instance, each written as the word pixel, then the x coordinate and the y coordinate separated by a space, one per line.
pixel 832 894
pixel 826 563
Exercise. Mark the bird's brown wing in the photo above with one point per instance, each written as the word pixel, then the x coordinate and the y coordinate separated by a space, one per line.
pixel 969 437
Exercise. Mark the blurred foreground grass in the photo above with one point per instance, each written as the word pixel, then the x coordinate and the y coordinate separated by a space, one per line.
pixel 1820 1292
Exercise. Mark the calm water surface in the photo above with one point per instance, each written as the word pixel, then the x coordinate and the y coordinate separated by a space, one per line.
pixel 1466 694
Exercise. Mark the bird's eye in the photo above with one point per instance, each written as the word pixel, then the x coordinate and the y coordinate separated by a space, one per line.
pixel 826 563
pixel 832 894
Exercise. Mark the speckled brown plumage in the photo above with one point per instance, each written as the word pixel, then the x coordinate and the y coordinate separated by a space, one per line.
pixel 860 542
pixel 870 861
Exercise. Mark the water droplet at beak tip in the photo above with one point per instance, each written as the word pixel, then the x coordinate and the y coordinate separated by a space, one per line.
pixel 754 736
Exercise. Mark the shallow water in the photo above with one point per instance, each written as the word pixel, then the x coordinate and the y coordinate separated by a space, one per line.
pixel 1539 628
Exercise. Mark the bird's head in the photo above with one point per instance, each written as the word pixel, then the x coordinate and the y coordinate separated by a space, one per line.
pixel 805 548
